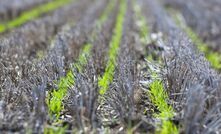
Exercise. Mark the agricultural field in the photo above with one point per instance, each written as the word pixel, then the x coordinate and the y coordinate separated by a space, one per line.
pixel 110 66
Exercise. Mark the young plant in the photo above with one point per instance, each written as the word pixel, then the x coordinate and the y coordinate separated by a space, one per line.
pixel 107 78
pixel 159 98
pixel 32 14
pixel 54 100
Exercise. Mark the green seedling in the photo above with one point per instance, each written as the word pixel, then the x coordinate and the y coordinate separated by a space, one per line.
pixel 159 98
pixel 213 57
pixel 32 14
pixel 107 78
pixel 54 101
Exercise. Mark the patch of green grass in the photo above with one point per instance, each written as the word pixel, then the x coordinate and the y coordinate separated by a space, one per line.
pixel 213 57
pixel 159 98
pixel 54 100
pixel 40 54
pixel 32 14
pixel 168 128
pixel 107 78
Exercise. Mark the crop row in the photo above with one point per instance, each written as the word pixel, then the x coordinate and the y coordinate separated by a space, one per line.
pixel 212 56
pixel 187 72
pixel 107 77
pixel 13 8
pixel 209 11
pixel 84 95
pixel 32 14
pixel 55 101
pixel 155 90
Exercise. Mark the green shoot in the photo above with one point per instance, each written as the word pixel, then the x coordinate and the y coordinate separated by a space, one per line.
pixel 158 97
pixel 32 14
pixel 113 51
pixel 55 100
pixel 168 128
pixel 213 57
